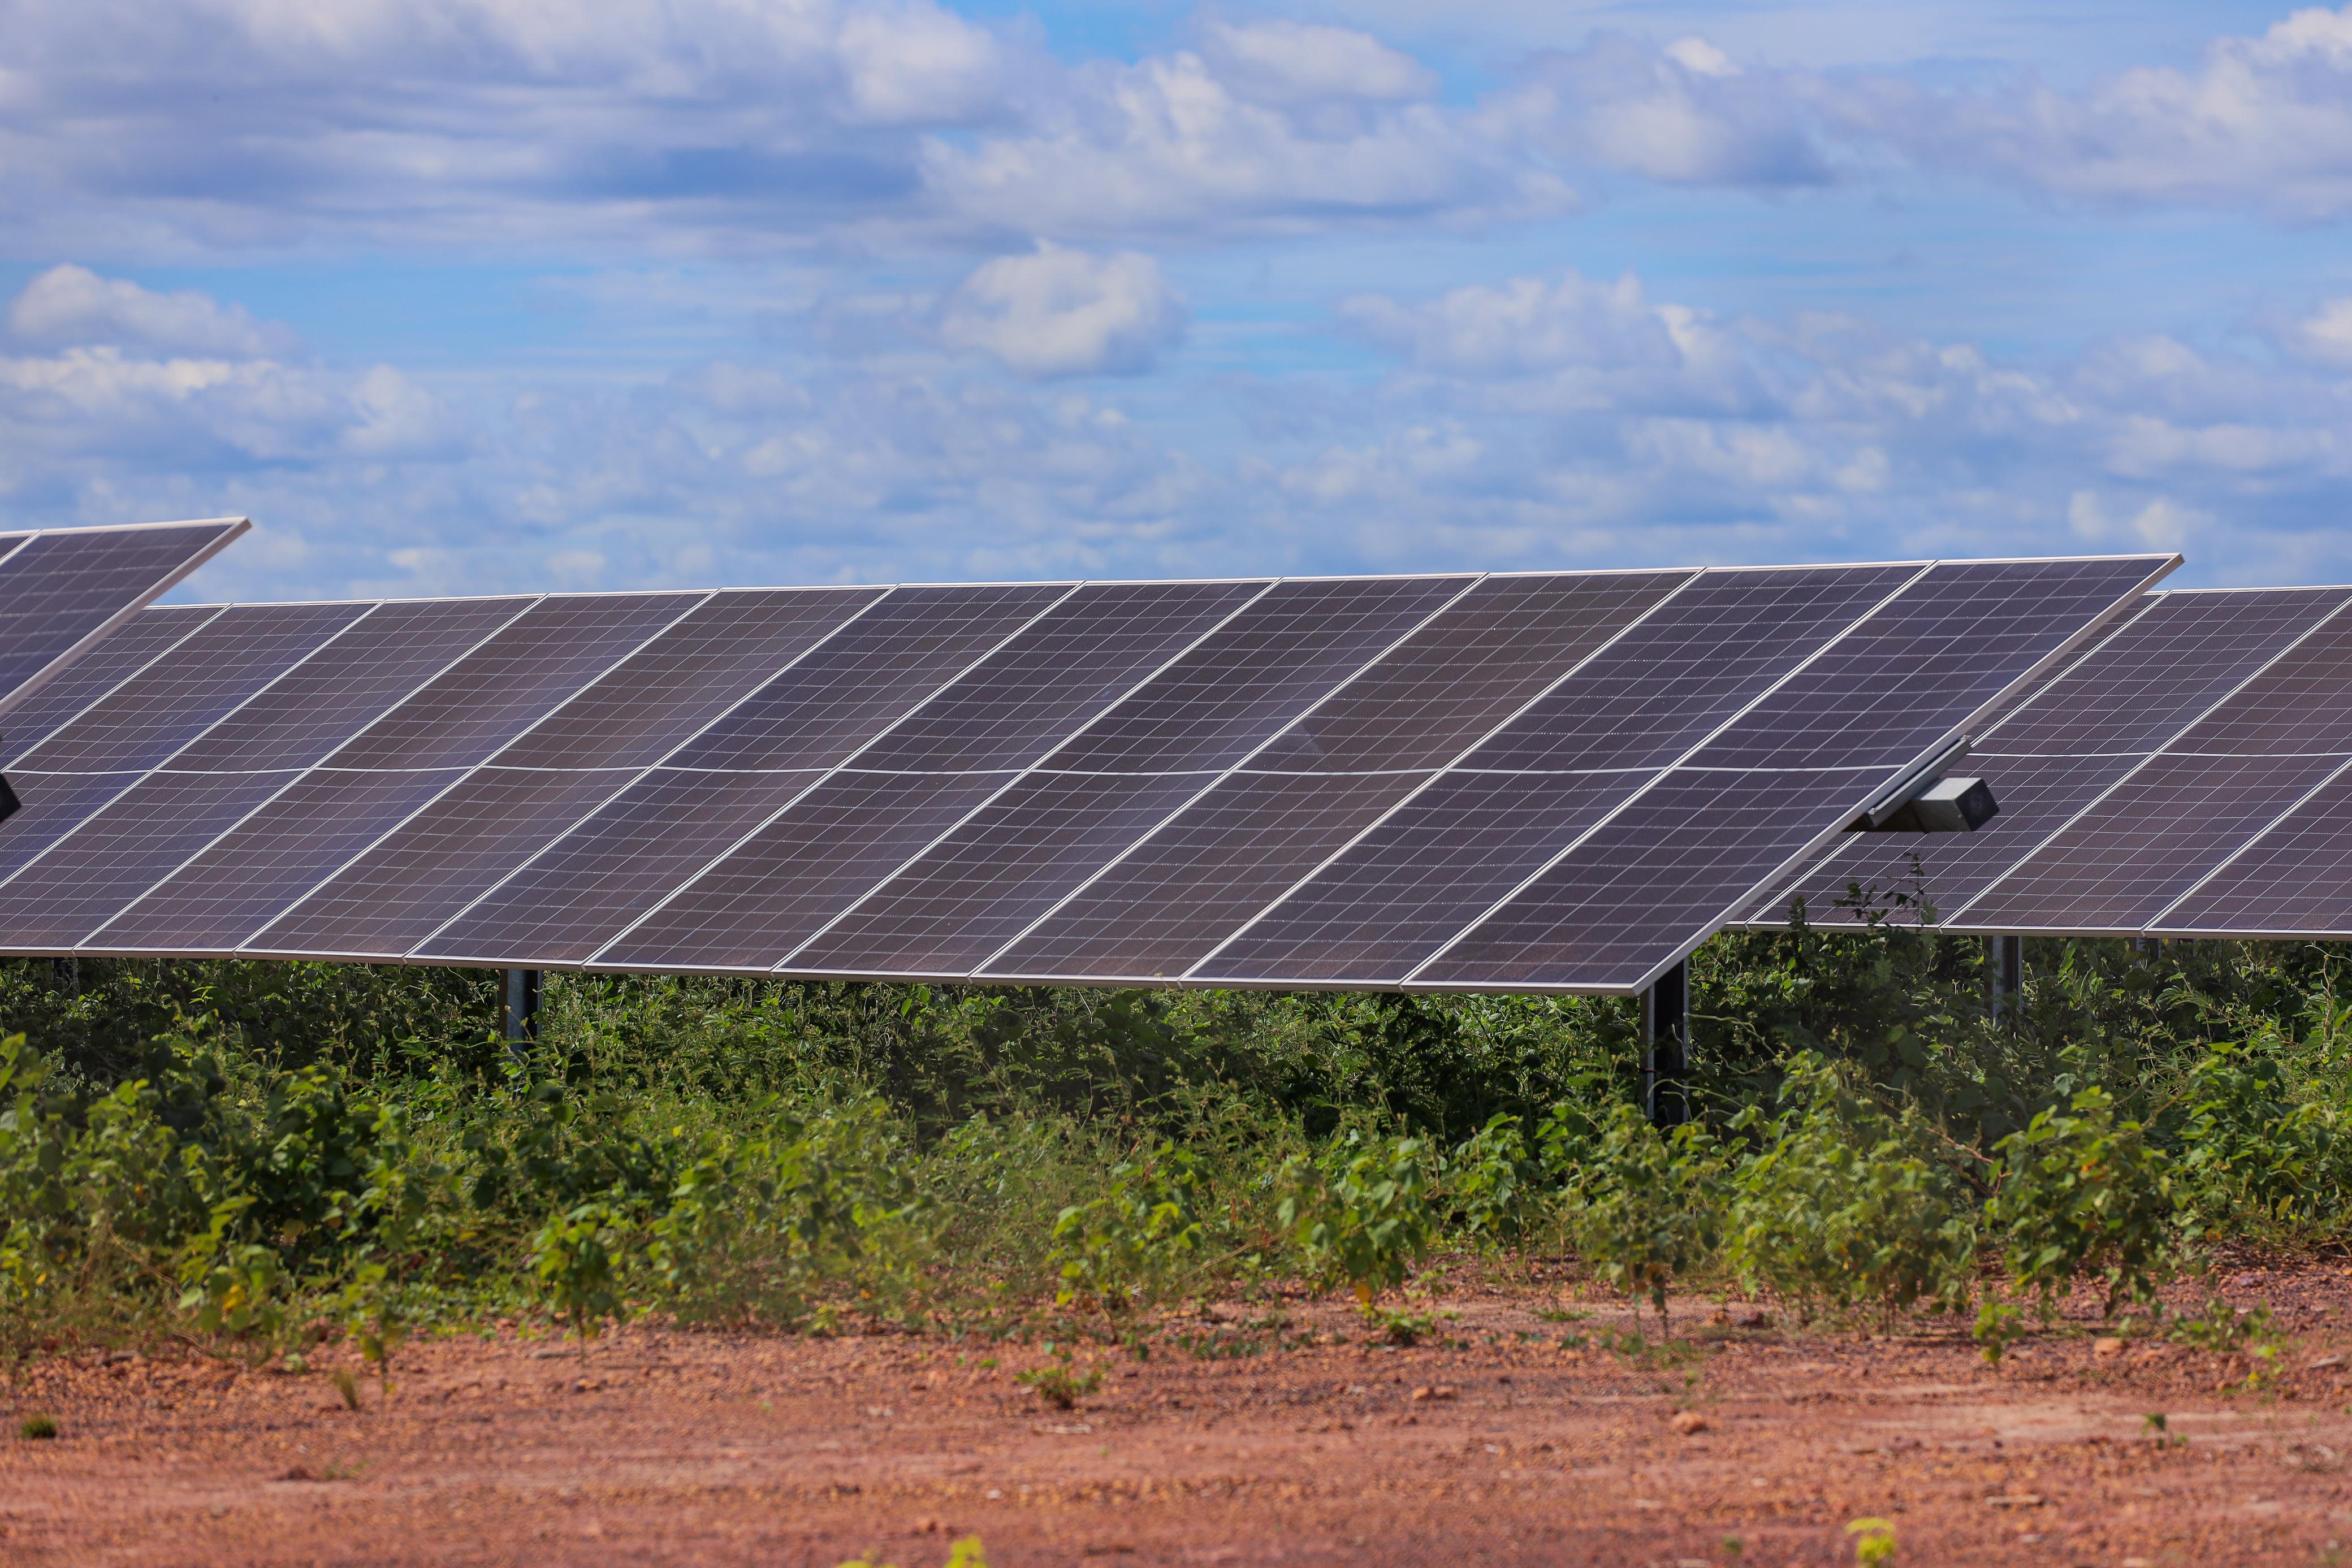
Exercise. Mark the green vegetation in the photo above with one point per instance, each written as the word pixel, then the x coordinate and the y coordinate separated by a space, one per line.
pixel 269 1156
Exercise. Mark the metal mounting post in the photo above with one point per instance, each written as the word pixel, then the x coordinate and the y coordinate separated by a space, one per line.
pixel 522 1010
pixel 65 973
pixel 1666 1046
pixel 2148 948
pixel 2004 977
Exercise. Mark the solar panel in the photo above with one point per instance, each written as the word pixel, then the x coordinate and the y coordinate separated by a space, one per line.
pixel 62 591
pixel 2064 744
pixel 1497 776
pixel 117 656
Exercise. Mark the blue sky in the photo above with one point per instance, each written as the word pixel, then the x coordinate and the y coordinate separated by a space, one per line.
pixel 457 295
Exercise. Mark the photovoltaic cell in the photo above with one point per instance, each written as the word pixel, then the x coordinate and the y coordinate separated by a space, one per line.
pixel 113 659
pixel 1123 774
pixel 1200 878
pixel 1645 884
pixel 758 758
pixel 284 849
pixel 559 771
pixel 143 834
pixel 593 882
pixel 2053 754
pixel 1708 835
pixel 58 592
pixel 2294 881
pixel 2119 865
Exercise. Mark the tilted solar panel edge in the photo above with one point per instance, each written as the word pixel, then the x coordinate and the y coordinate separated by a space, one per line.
pixel 231 530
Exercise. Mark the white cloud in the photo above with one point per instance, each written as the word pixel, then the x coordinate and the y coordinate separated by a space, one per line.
pixel 1058 312
pixel 71 304
pixel 1299 62
pixel 2325 335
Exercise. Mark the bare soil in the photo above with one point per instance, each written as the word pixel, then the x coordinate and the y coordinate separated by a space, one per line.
pixel 1264 1441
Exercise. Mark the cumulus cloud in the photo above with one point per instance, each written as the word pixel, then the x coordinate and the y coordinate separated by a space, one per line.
pixel 1058 312
pixel 1684 114
pixel 2325 335
pixel 1299 62
pixel 72 305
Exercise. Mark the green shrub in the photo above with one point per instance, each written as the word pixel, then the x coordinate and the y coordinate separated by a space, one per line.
pixel 1837 1211
pixel 1649 1207
pixel 1364 1214
pixel 2081 1192
pixel 1111 1250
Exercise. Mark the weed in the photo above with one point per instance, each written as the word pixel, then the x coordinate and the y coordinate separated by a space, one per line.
pixel 1874 1540
pixel 1060 1385
pixel 1399 1328
pixel 1648 1210
pixel 2082 1192
pixel 348 1386
pixel 38 1428
pixel 1365 1215
pixel 1999 1324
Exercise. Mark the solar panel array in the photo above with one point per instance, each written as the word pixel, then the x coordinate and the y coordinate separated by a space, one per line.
pixel 2187 776
pixel 62 591
pixel 1554 780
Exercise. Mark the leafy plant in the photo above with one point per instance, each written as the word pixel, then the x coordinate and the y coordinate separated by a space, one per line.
pixel 1649 1206
pixel 1874 1540
pixel 576 1258
pixel 1140 1232
pixel 1060 1384
pixel 38 1428
pixel 1367 1221
pixel 2082 1192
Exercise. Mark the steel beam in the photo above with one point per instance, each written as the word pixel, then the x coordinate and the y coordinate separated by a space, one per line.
pixel 522 1010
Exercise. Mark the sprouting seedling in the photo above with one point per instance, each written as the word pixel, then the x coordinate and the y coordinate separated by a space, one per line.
pixel 1874 1540
pixel 39 1429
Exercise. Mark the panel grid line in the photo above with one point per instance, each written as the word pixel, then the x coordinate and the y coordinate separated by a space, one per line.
pixel 1018 775
pixel 508 744
pixel 83 710
pixel 640 775
pixel 1453 767
pixel 2268 828
pixel 140 775
pixel 1285 729
pixel 1959 916
pixel 530 603
pixel 1620 809
pixel 865 746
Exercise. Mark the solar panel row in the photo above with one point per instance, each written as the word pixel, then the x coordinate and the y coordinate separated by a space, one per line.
pixel 2185 778
pixel 1553 780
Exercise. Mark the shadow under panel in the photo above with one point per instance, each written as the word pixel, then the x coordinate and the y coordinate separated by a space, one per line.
pixel 796 873
pixel 2116 867
pixel 402 890
pixel 1200 879
pixel 586 887
pixel 976 891
pixel 1663 871
pixel 1454 852
pixel 59 900
pixel 266 861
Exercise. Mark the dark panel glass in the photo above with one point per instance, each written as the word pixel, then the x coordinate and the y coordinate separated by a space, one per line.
pixel 2296 880
pixel 2038 795
pixel 162 707
pixel 126 848
pixel 947 912
pixel 866 675
pixel 63 587
pixel 335 693
pixel 2143 845
pixel 765 899
pixel 1200 879
pixel 117 657
pixel 268 860
pixel 2163 670
pixel 1661 872
pixel 1452 853
pixel 515 678
pixel 719 654
pixel 1951 643
pixel 2298 705
pixel 586 887
pixel 1705 653
pixel 1255 674
pixel 1067 666
pixel 1470 668
pixel 405 888
pixel 50 806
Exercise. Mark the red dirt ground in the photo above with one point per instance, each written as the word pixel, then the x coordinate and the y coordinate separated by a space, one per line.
pixel 1496 1446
